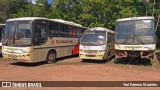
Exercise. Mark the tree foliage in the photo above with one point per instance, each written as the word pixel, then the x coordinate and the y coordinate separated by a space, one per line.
pixel 89 13
pixel 4 7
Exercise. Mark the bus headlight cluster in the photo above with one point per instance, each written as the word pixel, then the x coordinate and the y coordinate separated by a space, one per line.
pixel 22 51
pixel 24 55
pixel 149 48
pixel 103 47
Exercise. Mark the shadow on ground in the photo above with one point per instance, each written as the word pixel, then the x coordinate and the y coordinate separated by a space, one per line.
pixel 97 61
pixel 41 63
pixel 158 56
pixel 136 61
pixel 28 64
pixel 66 58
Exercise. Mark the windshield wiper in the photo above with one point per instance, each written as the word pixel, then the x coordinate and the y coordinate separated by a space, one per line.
pixel 11 35
pixel 138 39
pixel 7 42
pixel 87 42
pixel 8 39
pixel 128 39
pixel 134 37
pixel 101 43
pixel 91 42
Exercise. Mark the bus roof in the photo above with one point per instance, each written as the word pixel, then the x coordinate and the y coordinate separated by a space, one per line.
pixel 26 18
pixel 135 18
pixel 66 22
pixel 55 20
pixel 101 29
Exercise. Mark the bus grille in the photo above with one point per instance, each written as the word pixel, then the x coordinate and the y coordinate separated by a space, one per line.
pixel 90 51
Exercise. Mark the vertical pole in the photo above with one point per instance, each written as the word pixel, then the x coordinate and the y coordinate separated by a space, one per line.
pixel 145 2
pixel 153 7
pixel 146 10
pixel 157 23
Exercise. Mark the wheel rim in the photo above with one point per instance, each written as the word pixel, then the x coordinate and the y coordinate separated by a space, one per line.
pixel 115 60
pixel 51 57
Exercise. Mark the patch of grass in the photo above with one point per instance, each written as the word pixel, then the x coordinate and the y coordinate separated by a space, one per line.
pixel 1 58
pixel 157 49
pixel 139 62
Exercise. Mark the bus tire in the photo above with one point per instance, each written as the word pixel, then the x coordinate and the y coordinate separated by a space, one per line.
pixel 108 56
pixel 116 60
pixel 51 57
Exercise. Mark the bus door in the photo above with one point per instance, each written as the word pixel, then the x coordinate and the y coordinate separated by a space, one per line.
pixel 110 44
pixel 40 38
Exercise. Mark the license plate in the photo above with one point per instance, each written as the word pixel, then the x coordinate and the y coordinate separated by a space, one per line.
pixel 12 56
pixel 90 53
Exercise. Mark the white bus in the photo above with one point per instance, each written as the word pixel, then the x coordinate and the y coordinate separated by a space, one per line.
pixel 135 37
pixel 97 43
pixel 34 39
pixel 2 26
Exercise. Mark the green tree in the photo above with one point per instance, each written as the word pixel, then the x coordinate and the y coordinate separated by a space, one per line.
pixel 25 8
pixel 17 8
pixel 4 6
pixel 90 13
pixel 97 12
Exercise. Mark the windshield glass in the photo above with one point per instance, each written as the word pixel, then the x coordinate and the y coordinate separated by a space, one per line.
pixel 17 33
pixel 135 32
pixel 95 38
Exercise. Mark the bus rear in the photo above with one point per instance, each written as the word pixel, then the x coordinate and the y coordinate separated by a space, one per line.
pixel 135 37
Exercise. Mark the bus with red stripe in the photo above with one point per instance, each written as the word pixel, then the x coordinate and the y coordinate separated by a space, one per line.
pixel 35 39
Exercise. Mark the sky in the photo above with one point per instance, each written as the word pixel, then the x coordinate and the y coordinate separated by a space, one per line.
pixel 49 1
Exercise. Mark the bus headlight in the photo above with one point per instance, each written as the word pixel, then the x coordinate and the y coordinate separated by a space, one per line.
pixel 22 51
pixel 150 48
pixel 103 47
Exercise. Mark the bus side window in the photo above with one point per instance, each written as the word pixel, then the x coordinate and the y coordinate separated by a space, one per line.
pixel 53 29
pixel 110 38
pixel 79 32
pixel 40 32
pixel 72 31
pixel 63 30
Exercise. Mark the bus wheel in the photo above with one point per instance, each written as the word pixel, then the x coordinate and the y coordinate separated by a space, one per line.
pixel 108 57
pixel 116 60
pixel 51 57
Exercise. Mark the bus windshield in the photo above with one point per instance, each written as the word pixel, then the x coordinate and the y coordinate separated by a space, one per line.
pixel 17 33
pixel 135 32
pixel 93 38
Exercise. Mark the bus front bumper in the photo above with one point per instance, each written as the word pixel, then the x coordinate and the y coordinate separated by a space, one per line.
pixel 23 57
pixel 141 54
pixel 95 56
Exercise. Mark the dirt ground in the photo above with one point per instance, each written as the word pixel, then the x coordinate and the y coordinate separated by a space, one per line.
pixel 74 69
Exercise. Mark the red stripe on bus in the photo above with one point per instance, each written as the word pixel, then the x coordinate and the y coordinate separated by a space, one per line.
pixel 76 49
